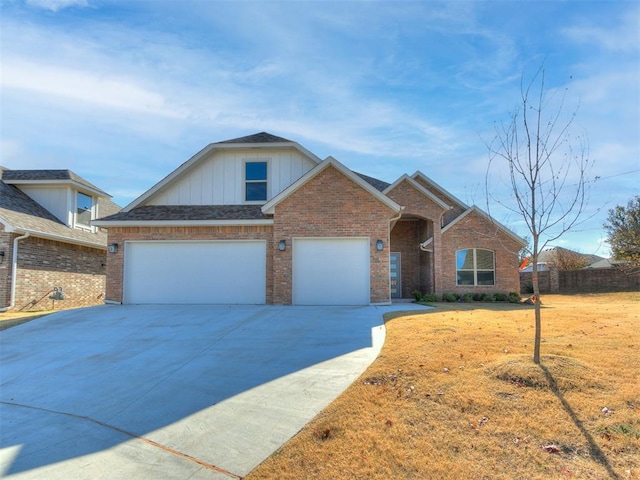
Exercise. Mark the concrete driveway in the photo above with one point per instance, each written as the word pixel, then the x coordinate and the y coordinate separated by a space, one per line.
pixel 147 392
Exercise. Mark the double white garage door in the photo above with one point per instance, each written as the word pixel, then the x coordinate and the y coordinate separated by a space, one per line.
pixel 326 271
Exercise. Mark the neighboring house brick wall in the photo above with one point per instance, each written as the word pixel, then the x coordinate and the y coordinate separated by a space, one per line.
pixel 44 264
pixel 474 231
pixel 332 205
pixel 115 262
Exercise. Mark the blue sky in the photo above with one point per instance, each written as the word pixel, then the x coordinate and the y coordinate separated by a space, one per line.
pixel 123 92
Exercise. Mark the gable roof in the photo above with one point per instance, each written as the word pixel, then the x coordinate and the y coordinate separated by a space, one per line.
pixel 269 207
pixel 49 177
pixel 374 182
pixel 258 140
pixel 441 190
pixel 489 219
pixel 21 214
pixel 418 187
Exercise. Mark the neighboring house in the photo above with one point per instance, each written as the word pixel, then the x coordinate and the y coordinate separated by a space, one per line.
pixel 260 219
pixel 563 258
pixel 47 241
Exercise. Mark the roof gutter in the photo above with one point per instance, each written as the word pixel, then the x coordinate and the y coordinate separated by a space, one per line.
pixel 14 272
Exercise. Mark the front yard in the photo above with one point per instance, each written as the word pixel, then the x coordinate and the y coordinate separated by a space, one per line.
pixel 454 395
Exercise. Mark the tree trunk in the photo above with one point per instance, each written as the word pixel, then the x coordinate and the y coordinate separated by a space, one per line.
pixel 536 307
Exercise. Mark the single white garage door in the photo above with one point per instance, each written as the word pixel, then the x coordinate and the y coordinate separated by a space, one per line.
pixel 212 272
pixel 331 271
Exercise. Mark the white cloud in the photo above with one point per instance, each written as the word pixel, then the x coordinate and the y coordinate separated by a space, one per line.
pixel 84 87
pixel 620 36
pixel 55 5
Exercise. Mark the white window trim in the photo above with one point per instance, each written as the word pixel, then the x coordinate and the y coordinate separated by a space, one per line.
pixel 475 267
pixel 94 206
pixel 244 180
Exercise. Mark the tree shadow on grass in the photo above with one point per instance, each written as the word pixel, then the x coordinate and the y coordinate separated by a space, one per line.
pixel 594 450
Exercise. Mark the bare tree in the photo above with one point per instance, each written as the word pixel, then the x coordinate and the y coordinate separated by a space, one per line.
pixel 547 171
pixel 564 259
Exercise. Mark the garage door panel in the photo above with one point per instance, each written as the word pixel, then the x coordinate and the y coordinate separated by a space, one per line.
pixel 331 271
pixel 195 272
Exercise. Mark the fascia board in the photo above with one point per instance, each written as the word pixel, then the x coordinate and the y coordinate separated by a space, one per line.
pixel 418 187
pixel 8 228
pixel 180 223
pixel 213 147
pixel 439 187
pixel 268 208
pixel 517 238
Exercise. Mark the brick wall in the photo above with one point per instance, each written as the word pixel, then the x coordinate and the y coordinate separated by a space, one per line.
pixel 115 262
pixel 415 271
pixel 331 205
pixel 584 281
pixel 475 231
pixel 44 264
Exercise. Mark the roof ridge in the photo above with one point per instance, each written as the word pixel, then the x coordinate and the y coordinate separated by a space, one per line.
pixel 260 137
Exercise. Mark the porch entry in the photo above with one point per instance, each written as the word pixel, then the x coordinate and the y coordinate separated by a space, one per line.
pixel 395 273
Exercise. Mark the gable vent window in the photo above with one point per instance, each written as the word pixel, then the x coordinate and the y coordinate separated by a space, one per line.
pixel 84 205
pixel 475 266
pixel 255 177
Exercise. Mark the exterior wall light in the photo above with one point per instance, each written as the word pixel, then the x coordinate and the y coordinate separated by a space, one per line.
pixel 379 245
pixel 282 245
pixel 1 256
pixel 113 248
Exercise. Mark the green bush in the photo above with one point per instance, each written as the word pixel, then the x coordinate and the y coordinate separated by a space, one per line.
pixel 417 295
pixel 487 297
pixel 500 297
pixel 477 297
pixel 430 298
pixel 450 297
pixel 514 297
pixel 467 297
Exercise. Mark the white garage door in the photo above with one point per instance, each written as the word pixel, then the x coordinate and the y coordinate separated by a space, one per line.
pixel 331 271
pixel 216 272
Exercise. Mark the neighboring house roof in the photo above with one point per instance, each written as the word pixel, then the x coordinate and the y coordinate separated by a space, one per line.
pixel 548 256
pixel 20 213
pixel 269 207
pixel 49 177
pixel 262 139
pixel 190 214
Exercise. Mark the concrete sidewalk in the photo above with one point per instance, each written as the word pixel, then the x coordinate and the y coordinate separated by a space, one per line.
pixel 147 392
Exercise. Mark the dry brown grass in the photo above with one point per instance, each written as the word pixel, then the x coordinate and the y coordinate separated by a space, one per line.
pixel 454 395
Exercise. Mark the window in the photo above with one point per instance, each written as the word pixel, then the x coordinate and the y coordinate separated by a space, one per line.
pixel 255 182
pixel 84 205
pixel 475 266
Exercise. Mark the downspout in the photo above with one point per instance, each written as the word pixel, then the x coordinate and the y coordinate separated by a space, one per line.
pixel 14 272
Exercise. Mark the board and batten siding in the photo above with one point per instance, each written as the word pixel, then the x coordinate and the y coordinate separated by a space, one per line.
pixel 58 200
pixel 219 179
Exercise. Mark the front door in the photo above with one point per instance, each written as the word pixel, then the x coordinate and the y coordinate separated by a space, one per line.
pixel 395 274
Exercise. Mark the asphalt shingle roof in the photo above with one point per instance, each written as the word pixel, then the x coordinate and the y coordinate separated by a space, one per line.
pixel 190 212
pixel 262 137
pixel 47 175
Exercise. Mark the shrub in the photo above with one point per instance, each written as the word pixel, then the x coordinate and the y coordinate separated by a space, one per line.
pixel 450 297
pixel 487 297
pixel 477 297
pixel 467 297
pixel 430 298
pixel 500 297
pixel 417 295
pixel 514 297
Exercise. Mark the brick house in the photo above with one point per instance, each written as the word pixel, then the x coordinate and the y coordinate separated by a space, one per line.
pixel 260 219
pixel 47 240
